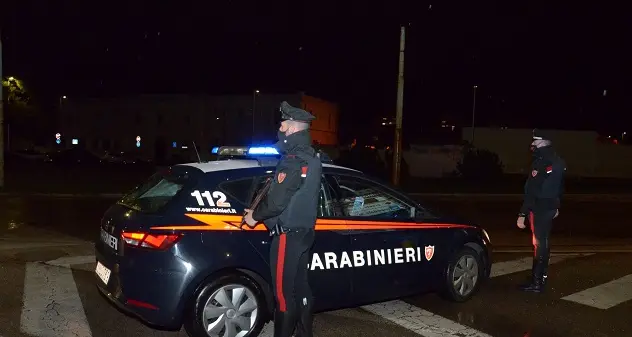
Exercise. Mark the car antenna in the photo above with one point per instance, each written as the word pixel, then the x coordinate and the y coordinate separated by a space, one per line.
pixel 197 153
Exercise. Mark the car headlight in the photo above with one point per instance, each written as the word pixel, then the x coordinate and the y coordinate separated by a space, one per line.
pixel 487 236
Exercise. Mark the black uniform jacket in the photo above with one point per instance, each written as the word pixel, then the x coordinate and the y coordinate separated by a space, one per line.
pixel 292 200
pixel 544 187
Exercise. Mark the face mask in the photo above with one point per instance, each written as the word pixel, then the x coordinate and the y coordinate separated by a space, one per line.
pixel 536 147
pixel 280 145
pixel 281 136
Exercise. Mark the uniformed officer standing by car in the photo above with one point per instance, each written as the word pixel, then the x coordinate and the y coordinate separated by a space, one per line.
pixel 289 210
pixel 543 192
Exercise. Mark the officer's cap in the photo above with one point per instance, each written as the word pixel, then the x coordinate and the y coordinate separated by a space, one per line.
pixel 539 134
pixel 290 113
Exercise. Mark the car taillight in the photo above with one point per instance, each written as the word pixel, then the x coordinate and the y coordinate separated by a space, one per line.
pixel 151 241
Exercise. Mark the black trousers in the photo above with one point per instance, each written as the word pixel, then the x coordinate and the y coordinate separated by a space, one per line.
pixel 289 259
pixel 541 224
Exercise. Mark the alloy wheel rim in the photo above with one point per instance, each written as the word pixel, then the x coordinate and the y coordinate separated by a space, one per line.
pixel 231 311
pixel 465 275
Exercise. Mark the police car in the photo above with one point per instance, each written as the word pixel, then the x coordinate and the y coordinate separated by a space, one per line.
pixel 174 252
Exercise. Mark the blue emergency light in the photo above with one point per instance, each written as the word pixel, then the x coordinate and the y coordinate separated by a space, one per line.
pixel 215 150
pixel 263 151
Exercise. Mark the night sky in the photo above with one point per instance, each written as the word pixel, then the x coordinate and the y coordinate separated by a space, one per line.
pixel 536 65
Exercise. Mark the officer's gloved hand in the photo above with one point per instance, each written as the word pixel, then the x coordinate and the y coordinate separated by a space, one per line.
pixel 248 218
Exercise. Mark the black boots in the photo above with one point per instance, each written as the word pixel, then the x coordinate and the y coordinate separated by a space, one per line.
pixel 304 324
pixel 538 276
pixel 283 324
pixel 535 286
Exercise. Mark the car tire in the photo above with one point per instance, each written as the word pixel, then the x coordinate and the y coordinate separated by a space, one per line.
pixel 465 257
pixel 193 322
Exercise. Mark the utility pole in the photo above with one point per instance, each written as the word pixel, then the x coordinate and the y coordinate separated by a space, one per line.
pixel 473 114
pixel 254 108
pixel 397 153
pixel 1 120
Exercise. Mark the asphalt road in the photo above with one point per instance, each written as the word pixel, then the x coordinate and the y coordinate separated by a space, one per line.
pixel 589 295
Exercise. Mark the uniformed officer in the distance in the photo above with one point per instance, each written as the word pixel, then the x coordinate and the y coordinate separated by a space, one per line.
pixel 289 210
pixel 543 192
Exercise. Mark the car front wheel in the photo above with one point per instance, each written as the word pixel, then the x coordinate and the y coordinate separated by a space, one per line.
pixel 229 306
pixel 463 275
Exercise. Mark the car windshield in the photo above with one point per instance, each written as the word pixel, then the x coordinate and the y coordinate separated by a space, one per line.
pixel 155 193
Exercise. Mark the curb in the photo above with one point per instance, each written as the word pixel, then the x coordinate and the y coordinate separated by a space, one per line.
pixel 575 196
pixel 566 250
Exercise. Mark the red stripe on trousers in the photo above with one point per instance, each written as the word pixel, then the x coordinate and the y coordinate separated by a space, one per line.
pixel 533 240
pixel 279 273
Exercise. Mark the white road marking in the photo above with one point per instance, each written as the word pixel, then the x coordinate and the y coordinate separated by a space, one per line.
pixel 428 324
pixel 51 303
pixel 267 331
pixel 408 316
pixel 421 321
pixel 605 296
pixel 52 306
pixel 67 261
pixel 515 266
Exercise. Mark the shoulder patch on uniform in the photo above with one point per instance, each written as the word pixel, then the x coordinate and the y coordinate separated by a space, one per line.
pixel 534 173
pixel 304 171
pixel 281 176
pixel 549 169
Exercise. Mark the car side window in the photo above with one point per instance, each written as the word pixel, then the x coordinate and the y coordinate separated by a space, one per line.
pixel 357 197
pixel 238 189
pixel 262 185
pixel 326 201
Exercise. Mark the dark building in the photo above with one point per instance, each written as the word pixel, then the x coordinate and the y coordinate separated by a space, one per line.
pixel 165 123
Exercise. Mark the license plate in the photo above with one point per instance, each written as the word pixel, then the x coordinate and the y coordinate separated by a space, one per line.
pixel 109 240
pixel 103 273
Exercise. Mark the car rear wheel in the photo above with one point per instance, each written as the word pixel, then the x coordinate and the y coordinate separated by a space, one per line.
pixel 229 306
pixel 463 275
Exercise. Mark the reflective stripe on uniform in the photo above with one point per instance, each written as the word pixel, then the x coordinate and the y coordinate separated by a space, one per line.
pixel 279 272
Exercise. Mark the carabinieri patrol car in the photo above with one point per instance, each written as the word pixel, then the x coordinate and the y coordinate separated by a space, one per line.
pixel 174 252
